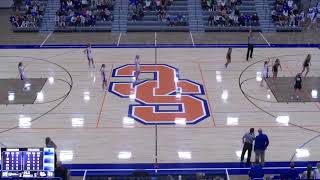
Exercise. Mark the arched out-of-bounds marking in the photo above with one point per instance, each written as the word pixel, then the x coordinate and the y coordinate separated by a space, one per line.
pixel 163 99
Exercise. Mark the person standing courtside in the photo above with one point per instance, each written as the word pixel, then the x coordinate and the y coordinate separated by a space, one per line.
pixel 247 141
pixel 250 45
pixel 260 146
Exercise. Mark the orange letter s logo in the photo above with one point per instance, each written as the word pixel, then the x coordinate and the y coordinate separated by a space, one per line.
pixel 165 99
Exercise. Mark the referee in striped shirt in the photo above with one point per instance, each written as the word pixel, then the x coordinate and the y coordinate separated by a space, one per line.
pixel 247 141
pixel 250 45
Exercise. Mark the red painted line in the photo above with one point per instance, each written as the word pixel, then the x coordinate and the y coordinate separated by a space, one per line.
pixel 207 95
pixel 104 98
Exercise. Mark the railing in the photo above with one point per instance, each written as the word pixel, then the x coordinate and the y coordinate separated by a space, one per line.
pixel 155 172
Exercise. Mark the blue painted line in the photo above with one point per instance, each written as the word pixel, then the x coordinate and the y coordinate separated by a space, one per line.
pixel 180 168
pixel 183 165
pixel 56 46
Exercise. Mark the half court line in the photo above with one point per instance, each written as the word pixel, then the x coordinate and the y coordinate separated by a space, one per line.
pixel 207 95
pixel 104 97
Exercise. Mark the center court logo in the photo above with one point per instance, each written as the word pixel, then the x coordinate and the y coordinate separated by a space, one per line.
pixel 164 99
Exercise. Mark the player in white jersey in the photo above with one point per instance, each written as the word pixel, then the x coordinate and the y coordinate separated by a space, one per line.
pixel 21 71
pixel 88 52
pixel 103 76
pixel 265 72
pixel 137 67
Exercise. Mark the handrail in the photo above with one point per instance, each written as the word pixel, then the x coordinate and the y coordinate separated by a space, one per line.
pixel 177 169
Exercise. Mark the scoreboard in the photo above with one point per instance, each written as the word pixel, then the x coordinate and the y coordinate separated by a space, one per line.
pixel 27 162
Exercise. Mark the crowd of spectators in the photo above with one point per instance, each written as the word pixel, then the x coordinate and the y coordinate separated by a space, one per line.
pixel 227 13
pixel 137 9
pixel 83 12
pixel 27 13
pixel 287 13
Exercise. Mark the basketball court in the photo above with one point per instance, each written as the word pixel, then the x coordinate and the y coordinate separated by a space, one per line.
pixel 152 122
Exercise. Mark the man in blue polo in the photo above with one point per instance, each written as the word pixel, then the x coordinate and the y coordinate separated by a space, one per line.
pixel 260 146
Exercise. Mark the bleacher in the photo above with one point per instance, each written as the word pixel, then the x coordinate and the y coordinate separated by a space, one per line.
pixel 100 24
pixel 150 20
pixel 246 8
pixel 22 11
pixel 286 27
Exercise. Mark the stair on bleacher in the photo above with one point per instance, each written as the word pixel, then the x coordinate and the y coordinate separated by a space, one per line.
pixel 120 12
pixel 264 8
pixel 195 16
pixel 48 21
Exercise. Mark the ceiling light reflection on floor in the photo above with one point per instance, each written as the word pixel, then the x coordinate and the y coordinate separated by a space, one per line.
pixel 314 94
pixel 66 155
pixel 51 80
pixel 77 122
pixel 127 122
pixel 224 95
pixel 11 96
pixel 232 121
pixel 238 154
pixel 218 76
pixel 184 155
pixel 259 76
pixel 24 121
pixel 124 155
pixel 302 153
pixel 283 120
pixel 86 96
pixel 180 121
pixel 40 96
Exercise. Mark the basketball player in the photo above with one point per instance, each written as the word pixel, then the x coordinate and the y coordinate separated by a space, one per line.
pixel 306 65
pixel 228 57
pixel 21 71
pixel 103 76
pixel 137 68
pixel 275 68
pixel 88 51
pixel 297 85
pixel 265 72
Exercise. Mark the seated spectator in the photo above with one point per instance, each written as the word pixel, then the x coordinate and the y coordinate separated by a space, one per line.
pixel 171 20
pixel 256 171
pixel 308 174
pixel 162 15
pixel 291 174
pixel 211 20
pixel 274 16
pixel 148 5
pixel 255 20
pixel 13 21
pixel 242 20
pixel 181 20
pixel 316 172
